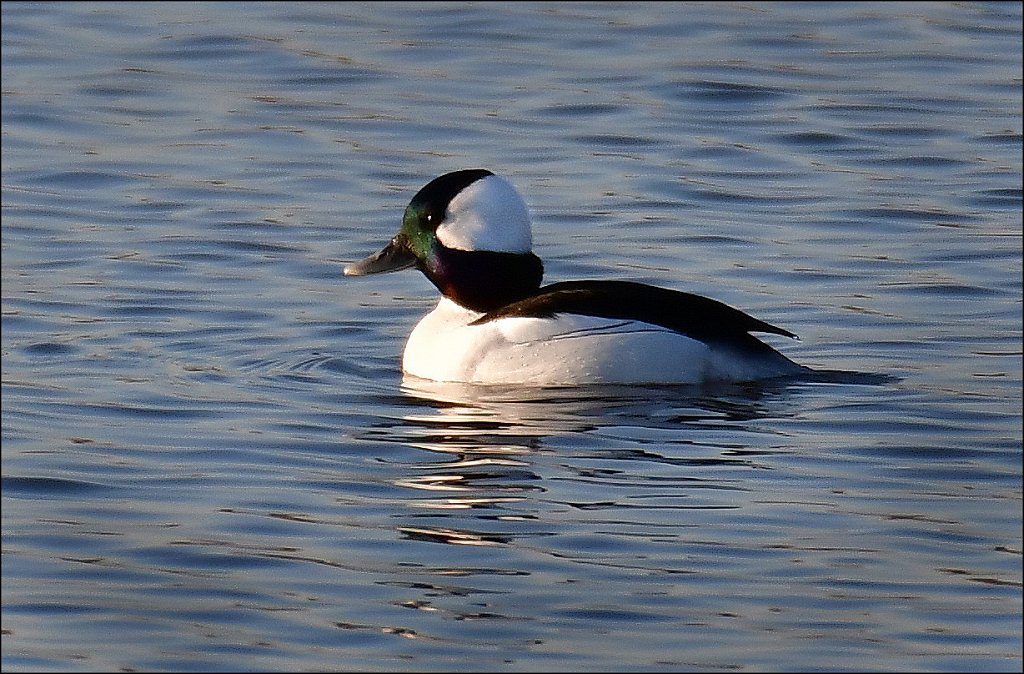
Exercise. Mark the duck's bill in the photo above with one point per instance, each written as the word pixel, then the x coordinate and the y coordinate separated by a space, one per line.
pixel 394 257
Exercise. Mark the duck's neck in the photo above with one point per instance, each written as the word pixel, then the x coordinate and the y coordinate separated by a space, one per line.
pixel 484 280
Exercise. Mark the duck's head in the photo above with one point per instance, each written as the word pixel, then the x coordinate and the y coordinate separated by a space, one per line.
pixel 469 233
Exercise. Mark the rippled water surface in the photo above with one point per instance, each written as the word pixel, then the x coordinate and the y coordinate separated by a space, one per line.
pixel 210 458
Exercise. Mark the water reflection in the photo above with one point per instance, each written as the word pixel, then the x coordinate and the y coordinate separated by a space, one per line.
pixel 508 456
pixel 498 409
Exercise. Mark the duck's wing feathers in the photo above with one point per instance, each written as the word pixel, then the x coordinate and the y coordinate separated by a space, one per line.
pixel 692 315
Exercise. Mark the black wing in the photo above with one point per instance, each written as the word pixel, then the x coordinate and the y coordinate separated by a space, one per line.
pixel 692 315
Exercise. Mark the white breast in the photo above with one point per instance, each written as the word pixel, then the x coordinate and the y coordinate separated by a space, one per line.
pixel 567 350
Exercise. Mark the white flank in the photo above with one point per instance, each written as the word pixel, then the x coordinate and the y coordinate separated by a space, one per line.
pixel 568 350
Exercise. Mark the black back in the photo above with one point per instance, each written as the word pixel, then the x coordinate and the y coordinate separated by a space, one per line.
pixel 698 317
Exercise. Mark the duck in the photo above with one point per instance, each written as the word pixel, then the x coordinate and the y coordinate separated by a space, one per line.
pixel 470 233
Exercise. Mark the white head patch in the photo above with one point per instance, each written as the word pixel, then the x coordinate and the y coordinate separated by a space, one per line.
pixel 487 215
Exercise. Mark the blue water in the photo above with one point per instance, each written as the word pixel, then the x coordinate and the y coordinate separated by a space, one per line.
pixel 210 458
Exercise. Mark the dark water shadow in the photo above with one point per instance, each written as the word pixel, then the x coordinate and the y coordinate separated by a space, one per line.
pixel 610 403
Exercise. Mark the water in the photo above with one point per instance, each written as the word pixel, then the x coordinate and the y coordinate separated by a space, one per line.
pixel 210 459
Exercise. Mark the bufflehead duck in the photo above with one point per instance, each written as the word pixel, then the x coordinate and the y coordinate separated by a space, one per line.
pixel 469 232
